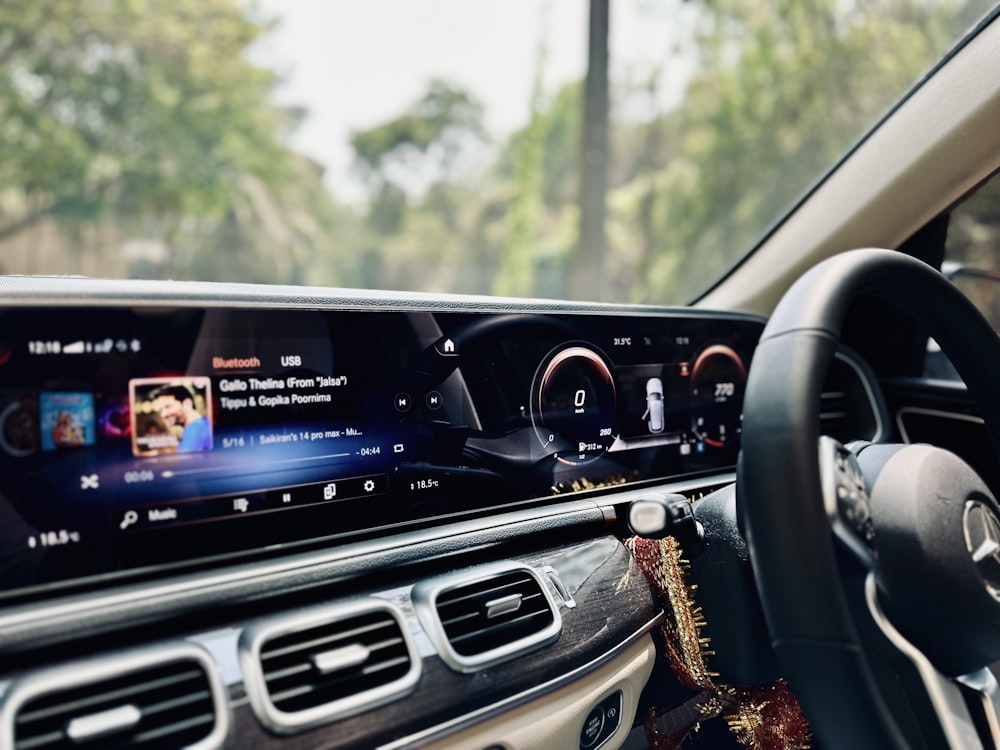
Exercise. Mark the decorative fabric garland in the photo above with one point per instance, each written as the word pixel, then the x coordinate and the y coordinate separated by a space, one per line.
pixel 765 717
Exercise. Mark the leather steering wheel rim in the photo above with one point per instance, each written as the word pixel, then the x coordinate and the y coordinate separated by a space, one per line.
pixel 778 490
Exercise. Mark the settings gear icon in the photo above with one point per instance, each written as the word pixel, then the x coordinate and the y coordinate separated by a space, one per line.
pixel 369 485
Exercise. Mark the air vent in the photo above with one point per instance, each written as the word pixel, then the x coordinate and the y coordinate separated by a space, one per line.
pixel 488 615
pixel 165 698
pixel 847 405
pixel 834 412
pixel 327 664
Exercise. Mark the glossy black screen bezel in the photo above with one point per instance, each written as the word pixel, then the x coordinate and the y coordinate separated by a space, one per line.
pixel 250 537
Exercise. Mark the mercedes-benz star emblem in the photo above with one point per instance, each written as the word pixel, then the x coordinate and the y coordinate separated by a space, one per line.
pixel 982 539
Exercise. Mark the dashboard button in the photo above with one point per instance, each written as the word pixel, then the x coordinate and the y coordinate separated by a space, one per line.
pixel 602 722
pixel 593 727
pixel 126 519
pixel 446 348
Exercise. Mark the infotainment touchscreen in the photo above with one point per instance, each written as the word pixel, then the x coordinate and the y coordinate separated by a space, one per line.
pixel 138 439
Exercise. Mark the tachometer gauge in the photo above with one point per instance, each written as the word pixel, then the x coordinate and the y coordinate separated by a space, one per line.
pixel 574 405
pixel 718 379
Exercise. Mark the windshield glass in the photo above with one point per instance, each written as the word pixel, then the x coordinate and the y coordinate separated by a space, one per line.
pixel 553 149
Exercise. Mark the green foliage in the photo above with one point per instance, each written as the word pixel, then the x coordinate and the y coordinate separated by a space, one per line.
pixel 783 89
pixel 411 240
pixel 149 118
pixel 555 130
pixel 973 242
pixel 439 121
pixel 131 120
pixel 974 229
pixel 516 272
pixel 118 105
pixel 388 209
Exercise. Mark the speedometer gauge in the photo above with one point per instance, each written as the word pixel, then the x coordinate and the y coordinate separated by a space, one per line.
pixel 574 404
pixel 718 379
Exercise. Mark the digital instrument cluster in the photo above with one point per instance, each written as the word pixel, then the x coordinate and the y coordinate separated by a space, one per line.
pixel 140 438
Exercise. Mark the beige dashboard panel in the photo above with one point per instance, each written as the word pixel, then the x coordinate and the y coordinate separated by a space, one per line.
pixel 555 721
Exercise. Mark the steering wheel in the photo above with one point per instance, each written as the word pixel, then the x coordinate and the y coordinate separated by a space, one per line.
pixel 877 566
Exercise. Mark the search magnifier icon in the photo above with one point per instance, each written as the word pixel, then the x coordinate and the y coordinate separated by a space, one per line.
pixel 128 519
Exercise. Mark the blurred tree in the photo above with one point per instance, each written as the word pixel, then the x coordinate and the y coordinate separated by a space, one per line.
pixel 782 90
pixel 587 270
pixel 430 135
pixel 410 163
pixel 974 241
pixel 150 115
pixel 534 224
pixel 516 273
pixel 419 211
pixel 561 146
pixel 974 230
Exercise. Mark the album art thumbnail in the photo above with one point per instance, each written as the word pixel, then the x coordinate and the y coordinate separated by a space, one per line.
pixel 67 420
pixel 170 415
pixel 114 421
pixel 19 428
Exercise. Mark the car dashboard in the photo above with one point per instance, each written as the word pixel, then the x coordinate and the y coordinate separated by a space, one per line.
pixel 263 516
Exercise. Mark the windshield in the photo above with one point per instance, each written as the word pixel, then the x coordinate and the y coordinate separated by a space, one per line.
pixel 546 149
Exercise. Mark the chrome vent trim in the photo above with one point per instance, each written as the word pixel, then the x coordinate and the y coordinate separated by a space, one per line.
pixel 328 663
pixel 168 696
pixel 940 414
pixel 484 616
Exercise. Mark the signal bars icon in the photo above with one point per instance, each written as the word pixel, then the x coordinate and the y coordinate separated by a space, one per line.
pixel 105 346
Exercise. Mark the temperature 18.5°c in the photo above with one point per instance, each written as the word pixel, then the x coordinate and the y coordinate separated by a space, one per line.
pixel 424 484
pixel 54 538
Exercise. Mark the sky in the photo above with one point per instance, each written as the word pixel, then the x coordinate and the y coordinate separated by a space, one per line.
pixel 353 65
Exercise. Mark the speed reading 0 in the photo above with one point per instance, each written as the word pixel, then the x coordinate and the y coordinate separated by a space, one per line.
pixel 574 404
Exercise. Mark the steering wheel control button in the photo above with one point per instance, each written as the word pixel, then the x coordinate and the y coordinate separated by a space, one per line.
pixel 434 400
pixel 602 722
pixel 846 498
pixel 403 402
